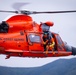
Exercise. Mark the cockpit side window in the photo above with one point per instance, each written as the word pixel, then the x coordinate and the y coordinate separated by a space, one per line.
pixel 60 44
pixel 59 40
pixel 34 38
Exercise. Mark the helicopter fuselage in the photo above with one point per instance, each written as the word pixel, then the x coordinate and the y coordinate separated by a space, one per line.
pixel 21 36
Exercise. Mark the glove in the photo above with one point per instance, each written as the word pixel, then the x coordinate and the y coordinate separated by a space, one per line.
pixel 44 43
pixel 52 45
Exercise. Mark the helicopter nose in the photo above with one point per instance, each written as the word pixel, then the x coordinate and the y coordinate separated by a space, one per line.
pixel 73 51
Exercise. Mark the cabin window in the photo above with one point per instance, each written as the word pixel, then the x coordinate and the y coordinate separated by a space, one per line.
pixel 34 38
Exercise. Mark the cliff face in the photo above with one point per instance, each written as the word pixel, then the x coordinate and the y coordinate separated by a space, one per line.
pixel 58 67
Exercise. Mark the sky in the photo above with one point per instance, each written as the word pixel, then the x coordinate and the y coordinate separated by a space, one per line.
pixel 64 25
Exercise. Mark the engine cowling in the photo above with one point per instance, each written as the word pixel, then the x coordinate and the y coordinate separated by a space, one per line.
pixel 19 22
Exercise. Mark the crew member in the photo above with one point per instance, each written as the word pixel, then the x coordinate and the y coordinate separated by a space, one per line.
pixel 48 40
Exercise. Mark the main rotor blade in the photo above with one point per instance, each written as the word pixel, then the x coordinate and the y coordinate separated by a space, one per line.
pixel 52 12
pixel 9 11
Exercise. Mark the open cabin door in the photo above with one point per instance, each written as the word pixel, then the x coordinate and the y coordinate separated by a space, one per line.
pixel 35 42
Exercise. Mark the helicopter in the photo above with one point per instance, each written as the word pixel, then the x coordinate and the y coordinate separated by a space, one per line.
pixel 20 36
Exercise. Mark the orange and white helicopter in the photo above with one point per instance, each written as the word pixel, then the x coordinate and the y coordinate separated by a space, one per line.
pixel 20 36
